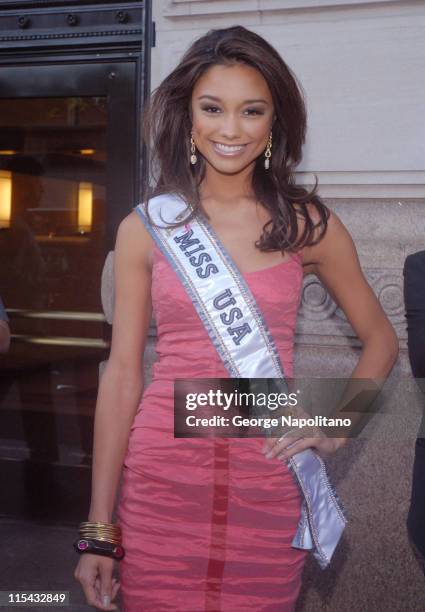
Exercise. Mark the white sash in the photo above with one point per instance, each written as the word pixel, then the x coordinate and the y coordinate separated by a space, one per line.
pixel 238 331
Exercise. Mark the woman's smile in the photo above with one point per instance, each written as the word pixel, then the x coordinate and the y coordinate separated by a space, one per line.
pixel 228 150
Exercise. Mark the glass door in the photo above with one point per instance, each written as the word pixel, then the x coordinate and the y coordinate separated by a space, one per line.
pixel 68 160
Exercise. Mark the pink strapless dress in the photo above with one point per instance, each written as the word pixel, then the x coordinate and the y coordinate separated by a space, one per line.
pixel 207 524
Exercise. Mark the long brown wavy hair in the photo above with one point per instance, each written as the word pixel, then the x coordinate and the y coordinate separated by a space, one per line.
pixel 167 127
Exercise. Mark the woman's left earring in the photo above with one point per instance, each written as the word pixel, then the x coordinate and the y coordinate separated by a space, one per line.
pixel 268 153
pixel 193 158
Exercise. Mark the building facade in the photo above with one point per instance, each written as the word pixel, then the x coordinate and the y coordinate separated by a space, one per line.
pixel 73 78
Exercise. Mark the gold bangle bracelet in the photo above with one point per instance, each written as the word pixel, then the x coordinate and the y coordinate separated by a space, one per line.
pixel 102 531
pixel 99 524
pixel 102 539
pixel 106 530
pixel 100 527
pixel 93 533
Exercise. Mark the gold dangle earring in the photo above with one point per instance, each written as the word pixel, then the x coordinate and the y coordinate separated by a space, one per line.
pixel 193 158
pixel 268 153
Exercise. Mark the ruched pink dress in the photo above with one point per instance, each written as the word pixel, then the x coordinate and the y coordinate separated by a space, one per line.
pixel 207 524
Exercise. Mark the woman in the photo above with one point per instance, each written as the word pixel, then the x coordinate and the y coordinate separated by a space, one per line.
pixel 209 525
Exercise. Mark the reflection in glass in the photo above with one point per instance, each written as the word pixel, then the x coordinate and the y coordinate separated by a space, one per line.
pixel 57 223
pixel 52 250
pixel 5 198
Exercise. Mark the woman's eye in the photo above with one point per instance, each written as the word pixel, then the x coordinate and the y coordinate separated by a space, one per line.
pixel 254 111
pixel 210 109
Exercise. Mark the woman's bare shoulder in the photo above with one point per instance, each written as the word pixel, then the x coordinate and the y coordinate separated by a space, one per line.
pixel 336 239
pixel 135 240
pixel 132 295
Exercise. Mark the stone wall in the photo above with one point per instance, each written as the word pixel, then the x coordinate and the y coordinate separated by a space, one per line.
pixel 359 64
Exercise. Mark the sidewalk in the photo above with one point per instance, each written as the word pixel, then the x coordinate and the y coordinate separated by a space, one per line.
pixel 41 557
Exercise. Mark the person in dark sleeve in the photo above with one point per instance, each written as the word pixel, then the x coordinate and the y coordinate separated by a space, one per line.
pixel 4 330
pixel 414 297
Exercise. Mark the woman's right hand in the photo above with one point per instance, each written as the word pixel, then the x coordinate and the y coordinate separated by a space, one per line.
pixel 94 573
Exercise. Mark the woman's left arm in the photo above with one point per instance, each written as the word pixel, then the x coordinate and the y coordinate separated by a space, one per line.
pixel 335 261
pixel 338 267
